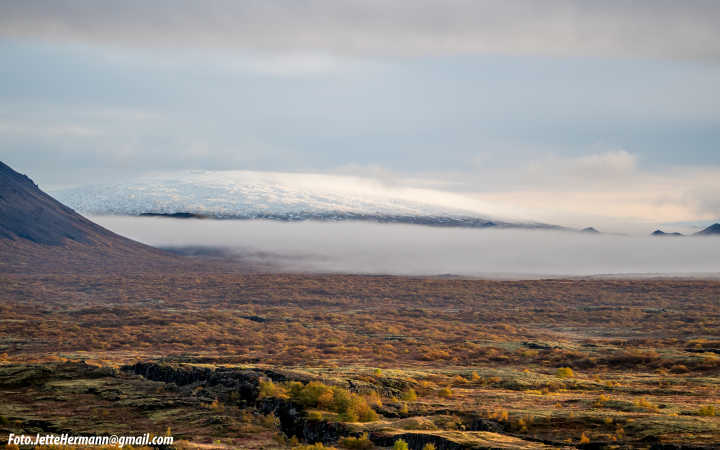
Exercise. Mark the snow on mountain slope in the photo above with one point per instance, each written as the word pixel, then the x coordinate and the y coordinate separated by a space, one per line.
pixel 288 196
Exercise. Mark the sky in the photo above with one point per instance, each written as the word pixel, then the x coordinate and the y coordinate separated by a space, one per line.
pixel 579 112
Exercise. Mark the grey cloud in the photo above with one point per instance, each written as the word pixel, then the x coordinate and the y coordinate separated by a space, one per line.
pixel 644 28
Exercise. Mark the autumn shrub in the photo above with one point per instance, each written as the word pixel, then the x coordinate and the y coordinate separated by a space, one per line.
pixel 408 395
pixel 269 389
pixel 350 406
pixel 645 404
pixel 600 401
pixel 313 394
pixel 400 445
pixel 584 439
pixel 708 410
pixel 445 392
pixel 564 372
pixel 317 446
pixel 315 415
pixel 459 380
pixel 362 442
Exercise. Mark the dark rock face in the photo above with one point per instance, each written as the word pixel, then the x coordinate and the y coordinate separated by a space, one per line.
pixel 294 422
pixel 589 230
pixel 481 424
pixel 177 215
pixel 220 381
pixel 712 230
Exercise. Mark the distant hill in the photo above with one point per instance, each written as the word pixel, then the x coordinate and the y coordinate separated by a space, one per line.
pixel 38 233
pixel 712 230
pixel 662 233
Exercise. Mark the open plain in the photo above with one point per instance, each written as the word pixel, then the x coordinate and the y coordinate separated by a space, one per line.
pixel 260 360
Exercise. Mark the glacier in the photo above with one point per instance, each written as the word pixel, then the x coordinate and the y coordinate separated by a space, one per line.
pixel 283 196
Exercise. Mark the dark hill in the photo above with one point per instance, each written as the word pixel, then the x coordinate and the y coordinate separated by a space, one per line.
pixel 27 213
pixel 712 230
pixel 40 234
pixel 662 233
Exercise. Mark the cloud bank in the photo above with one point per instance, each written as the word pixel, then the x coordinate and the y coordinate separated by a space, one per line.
pixel 416 250
pixel 643 28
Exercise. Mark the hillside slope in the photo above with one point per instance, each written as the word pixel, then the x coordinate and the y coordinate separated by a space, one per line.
pixel 38 233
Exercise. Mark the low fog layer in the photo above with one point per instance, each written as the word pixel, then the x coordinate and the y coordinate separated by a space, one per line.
pixel 355 247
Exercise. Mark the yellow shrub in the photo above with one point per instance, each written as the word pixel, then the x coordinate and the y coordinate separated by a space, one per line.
pixel 445 392
pixel 584 439
pixel 269 389
pixel 400 445
pixel 409 395
pixel 360 443
pixel 708 410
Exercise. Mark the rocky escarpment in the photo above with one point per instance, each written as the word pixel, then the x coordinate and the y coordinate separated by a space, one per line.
pixel 242 386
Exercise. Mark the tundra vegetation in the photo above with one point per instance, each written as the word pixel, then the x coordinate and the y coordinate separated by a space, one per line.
pixel 342 361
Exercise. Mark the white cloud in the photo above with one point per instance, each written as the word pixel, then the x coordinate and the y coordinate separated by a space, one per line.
pixel 587 170
pixel 610 190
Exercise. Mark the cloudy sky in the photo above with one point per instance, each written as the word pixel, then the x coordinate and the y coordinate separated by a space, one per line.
pixel 582 112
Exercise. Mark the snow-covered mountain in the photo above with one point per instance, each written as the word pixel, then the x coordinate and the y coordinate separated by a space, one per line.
pixel 282 196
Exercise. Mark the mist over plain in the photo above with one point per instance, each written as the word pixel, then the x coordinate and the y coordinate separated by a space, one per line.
pixel 359 247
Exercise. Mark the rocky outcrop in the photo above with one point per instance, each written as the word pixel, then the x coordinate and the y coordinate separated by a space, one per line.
pixel 242 386
pixel 294 422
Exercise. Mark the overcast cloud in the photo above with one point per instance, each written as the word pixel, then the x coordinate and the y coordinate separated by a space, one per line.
pixel 578 112
pixel 645 28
